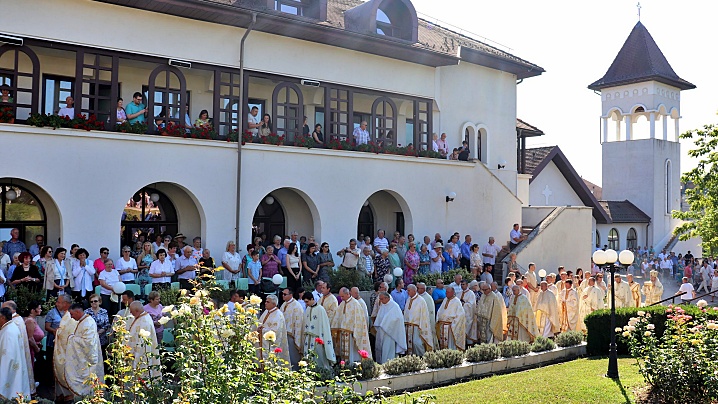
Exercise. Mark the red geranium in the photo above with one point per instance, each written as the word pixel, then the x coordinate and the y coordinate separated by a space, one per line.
pixel 319 341
pixel 277 350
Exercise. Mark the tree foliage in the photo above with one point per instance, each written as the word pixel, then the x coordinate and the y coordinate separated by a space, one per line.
pixel 701 220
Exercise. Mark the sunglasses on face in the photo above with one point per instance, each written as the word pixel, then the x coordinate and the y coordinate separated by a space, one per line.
pixel 94 301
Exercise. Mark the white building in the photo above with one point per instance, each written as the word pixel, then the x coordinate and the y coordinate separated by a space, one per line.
pixel 336 62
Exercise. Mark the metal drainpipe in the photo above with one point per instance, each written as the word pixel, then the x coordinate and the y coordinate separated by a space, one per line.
pixel 240 124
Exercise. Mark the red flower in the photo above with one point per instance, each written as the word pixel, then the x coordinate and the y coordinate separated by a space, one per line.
pixel 277 350
pixel 342 363
pixel 364 354
pixel 319 341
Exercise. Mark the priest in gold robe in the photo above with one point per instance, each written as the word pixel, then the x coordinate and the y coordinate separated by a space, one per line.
pixel 317 333
pixel 490 316
pixel 468 302
pixel 419 337
pixel 273 332
pixel 331 305
pixel 654 291
pixel 451 323
pixel 355 294
pixel 353 331
pixel 12 359
pixel 589 301
pixel 568 309
pixel 521 319
pixel 60 365
pixel 81 353
pixel 431 308
pixel 635 291
pixel 547 321
pixel 532 284
pixel 624 297
pixel 390 330
pixel 26 346
pixel 143 342
pixel 294 321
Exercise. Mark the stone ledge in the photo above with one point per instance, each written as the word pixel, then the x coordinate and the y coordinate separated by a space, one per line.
pixel 431 378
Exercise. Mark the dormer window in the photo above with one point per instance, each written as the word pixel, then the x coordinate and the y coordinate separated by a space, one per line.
pixel 314 9
pixel 388 18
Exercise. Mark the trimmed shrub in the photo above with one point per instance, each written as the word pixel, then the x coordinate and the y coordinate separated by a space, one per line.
pixel 367 369
pixel 569 338
pixel 403 364
pixel 22 296
pixel 483 353
pixel 348 278
pixel 514 348
pixel 430 279
pixel 444 358
pixel 542 344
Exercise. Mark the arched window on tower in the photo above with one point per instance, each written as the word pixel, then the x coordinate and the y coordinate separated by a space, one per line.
pixel 668 184
pixel 598 239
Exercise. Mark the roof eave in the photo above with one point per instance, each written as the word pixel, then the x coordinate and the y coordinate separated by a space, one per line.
pixel 680 83
pixel 522 69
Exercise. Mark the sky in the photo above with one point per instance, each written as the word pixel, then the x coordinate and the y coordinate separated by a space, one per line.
pixel 575 42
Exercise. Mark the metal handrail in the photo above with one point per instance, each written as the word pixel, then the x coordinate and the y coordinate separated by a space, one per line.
pixel 703 295
pixel 672 298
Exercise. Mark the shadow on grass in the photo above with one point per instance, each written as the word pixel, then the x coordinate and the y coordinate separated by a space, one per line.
pixel 623 390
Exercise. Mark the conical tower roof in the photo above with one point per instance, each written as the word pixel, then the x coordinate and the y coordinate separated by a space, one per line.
pixel 640 59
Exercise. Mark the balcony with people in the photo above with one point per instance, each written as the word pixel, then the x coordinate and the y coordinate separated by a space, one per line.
pixel 54 85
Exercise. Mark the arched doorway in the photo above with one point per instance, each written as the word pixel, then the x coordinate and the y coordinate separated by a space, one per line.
pixel 283 211
pixel 269 219
pixel 149 211
pixel 384 210
pixel 20 208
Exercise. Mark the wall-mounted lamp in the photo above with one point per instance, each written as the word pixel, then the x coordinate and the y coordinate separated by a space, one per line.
pixel 502 164
pixel 366 203
pixel 450 197
pixel 269 200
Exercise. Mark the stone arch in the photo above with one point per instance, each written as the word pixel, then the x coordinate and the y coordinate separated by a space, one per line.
pixel 390 212
pixel 49 218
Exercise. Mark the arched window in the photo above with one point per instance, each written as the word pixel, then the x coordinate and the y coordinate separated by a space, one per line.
pixel 365 224
pixel 20 71
pixel 148 211
pixel 287 110
pixel 383 117
pixel 167 97
pixel 613 241
pixel 668 184
pixel 631 239
pixel 598 239
pixel 269 219
pixel 20 208
pixel 396 19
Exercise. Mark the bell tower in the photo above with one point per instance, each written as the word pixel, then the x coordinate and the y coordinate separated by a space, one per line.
pixel 640 99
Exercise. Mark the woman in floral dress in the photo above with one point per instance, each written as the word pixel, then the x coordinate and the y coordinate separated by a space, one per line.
pixel 411 264
pixel 144 260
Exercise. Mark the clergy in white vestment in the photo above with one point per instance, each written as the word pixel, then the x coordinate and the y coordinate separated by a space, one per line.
pixel 20 323
pixel 589 301
pixel 431 308
pixel 568 309
pixel 64 330
pixel 490 316
pixel 355 294
pixel 451 323
pixel 294 321
pixel 551 279
pixel 353 331
pixel 383 287
pixel 272 322
pixel 624 297
pixel 521 319
pixel 419 337
pixel 81 354
pixel 390 331
pixel 635 291
pixel 318 333
pixel 12 359
pixel 143 342
pixel 546 310
pixel 532 284
pixel 467 297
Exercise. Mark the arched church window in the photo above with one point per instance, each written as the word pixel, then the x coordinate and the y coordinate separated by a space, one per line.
pixel 613 241
pixel 631 239
pixel 598 239
pixel 21 209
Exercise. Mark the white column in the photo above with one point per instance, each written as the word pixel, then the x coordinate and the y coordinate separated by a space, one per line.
pixel 652 118
pixel 665 126
pixel 618 129
pixel 605 129
pixel 629 135
pixel 678 132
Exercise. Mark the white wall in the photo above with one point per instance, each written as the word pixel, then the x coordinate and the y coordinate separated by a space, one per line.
pixel 561 193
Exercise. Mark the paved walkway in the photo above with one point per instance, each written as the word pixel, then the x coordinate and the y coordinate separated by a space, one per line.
pixel 670 287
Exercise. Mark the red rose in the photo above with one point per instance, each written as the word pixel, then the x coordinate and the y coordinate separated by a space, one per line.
pixel 277 350
pixel 319 341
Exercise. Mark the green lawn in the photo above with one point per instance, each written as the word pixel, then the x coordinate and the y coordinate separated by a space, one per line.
pixel 578 381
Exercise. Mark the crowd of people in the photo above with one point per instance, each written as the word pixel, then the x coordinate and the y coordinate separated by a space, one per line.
pixel 401 317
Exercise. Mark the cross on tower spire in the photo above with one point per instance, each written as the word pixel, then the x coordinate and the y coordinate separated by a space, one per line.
pixel 638 6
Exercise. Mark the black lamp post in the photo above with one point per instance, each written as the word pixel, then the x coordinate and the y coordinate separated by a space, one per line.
pixel 607 260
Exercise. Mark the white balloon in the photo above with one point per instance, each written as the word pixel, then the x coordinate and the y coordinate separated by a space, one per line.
pixel 119 288
pixel 388 278
pixel 277 279
pixel 398 272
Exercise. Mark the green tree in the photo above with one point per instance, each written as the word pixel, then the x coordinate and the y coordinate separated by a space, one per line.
pixel 701 220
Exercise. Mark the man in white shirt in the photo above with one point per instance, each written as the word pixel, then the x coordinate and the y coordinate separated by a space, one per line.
pixel 69 109
pixel 516 236
pixel 253 122
pixel 361 135
pixel 687 287
pixel 456 284
pixel 380 242
pixel 489 253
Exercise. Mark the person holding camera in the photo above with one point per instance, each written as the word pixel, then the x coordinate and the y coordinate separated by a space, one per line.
pixel 350 255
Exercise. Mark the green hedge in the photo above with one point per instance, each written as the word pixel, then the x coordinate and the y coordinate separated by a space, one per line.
pixel 598 325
